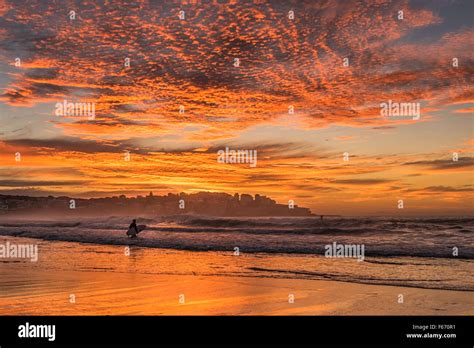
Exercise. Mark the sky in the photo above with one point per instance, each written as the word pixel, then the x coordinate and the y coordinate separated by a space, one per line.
pixel 300 82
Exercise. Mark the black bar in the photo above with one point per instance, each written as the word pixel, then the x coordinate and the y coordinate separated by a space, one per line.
pixel 194 330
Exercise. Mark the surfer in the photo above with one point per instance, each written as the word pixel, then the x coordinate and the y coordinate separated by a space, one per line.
pixel 134 229
pixel 133 226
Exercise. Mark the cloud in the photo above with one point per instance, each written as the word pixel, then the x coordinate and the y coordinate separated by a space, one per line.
pixel 190 62
pixel 34 183
pixel 444 164
pixel 467 111
pixel 73 144
pixel 447 189
pixel 361 181
pixel 31 192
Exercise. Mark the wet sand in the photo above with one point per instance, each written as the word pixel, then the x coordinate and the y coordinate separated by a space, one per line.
pixel 98 293
pixel 105 282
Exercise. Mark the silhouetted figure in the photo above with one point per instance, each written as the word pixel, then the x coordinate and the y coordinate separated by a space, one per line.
pixel 322 217
pixel 133 225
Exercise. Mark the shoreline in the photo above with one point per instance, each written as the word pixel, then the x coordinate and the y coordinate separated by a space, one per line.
pixel 104 281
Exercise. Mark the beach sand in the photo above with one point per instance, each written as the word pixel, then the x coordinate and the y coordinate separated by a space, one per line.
pixel 86 272
pixel 98 293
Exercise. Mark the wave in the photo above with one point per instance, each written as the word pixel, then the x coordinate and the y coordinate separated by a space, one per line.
pixel 381 236
pixel 271 225
pixel 373 280
pixel 42 224
pixel 178 229
pixel 302 221
pixel 209 242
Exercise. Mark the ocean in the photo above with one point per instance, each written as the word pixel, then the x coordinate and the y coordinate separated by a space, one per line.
pixel 430 253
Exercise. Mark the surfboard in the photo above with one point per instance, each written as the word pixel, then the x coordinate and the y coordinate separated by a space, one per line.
pixel 132 232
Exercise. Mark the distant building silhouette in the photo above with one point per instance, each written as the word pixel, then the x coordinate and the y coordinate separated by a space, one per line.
pixel 201 203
